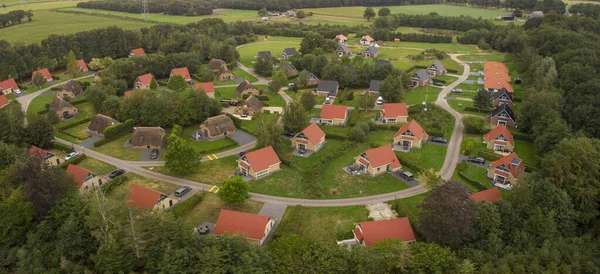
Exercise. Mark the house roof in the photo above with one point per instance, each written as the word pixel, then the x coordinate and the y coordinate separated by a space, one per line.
pixel 502 108
pixel 393 110
pixel 101 122
pixel 438 65
pixel 495 66
pixel 383 63
pixel 313 133
pixel 497 83
pixel 422 75
pixel 143 198
pixel 374 85
pixel 328 86
pixel 153 136
pixel 308 74
pixel 215 64
pixel 138 51
pixel 383 155
pixel 183 72
pixel 73 87
pixel 289 51
pixel 414 128
pixel 330 112
pixel 376 231
pixel 145 79
pixel 81 64
pixel 78 173
pixel 497 131
pixel 264 54
pixel 9 84
pixel 496 74
pixel 372 49
pixel 261 159
pixel 342 47
pixel 488 195
pixel 243 86
pixel 3 100
pixel 341 37
pixel 251 226
pixel 284 66
pixel 367 38
pixel 59 104
pixel 512 162
pixel 208 87
pixel 219 124
pixel 44 72
pixel 253 103
pixel 222 70
pixel 502 92
pixel 33 150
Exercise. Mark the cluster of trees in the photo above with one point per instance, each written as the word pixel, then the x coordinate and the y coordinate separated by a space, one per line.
pixel 432 20
pixel 13 130
pixel 14 17
pixel 585 9
pixel 283 5
pixel 171 7
pixel 390 35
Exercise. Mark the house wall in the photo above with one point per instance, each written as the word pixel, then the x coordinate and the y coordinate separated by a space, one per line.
pixel 54 161
pixel 141 86
pixel 343 53
pixel 509 123
pixel 63 93
pixel 383 169
pixel 211 95
pixel 226 77
pixel 71 111
pixel 399 119
pixel 166 203
pixel 511 179
pixel 268 229
pixel 204 129
pixel 416 143
pixel 93 183
pixel 249 91
pixel 240 110
pixel 7 91
pixel 322 93
pixel 310 146
pixel 499 102
pixel 145 146
pixel 312 82
pixel 507 145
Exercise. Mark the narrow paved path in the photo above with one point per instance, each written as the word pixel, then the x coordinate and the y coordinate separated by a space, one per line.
pixel 25 100
pixel 261 80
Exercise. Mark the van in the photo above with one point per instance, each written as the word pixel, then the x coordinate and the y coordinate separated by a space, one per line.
pixel 180 192
pixel 379 100
pixel 407 175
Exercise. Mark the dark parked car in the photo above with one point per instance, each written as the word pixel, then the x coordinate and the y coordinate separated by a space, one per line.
pixel 242 153
pixel 407 175
pixel 154 154
pixel 115 173
pixel 438 84
pixel 288 134
pixel 439 140
pixel 518 81
pixel 476 160
pixel 180 192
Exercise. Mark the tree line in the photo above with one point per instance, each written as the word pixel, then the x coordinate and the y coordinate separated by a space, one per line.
pixel 432 20
pixel 14 17
pixel 283 5
pixel 171 7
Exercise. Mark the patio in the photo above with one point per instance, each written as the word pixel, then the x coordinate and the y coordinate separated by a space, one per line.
pixel 304 153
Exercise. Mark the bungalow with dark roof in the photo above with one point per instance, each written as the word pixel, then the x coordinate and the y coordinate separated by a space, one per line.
pixel 312 138
pixel 366 40
pixel 502 115
pixel 137 52
pixel 44 73
pixel 503 97
pixel 506 170
pixel 374 88
pixel 224 74
pixel 216 64
pixel 143 81
pixel 500 140
pixel 288 69
pixel 207 87
pixel 264 54
pixel 288 53
pixel 71 89
pixel 341 38
pixel 371 52
pixel 333 115
pixel 379 160
pixel 244 88
pixel 342 50
pixel 182 72
pixel 250 107
pixel 327 88
pixel 82 66
pixel 85 179
pixel 489 195
pixel 148 199
pixel 369 233
pixel 259 163
pixel 394 113
pixel 49 158
pixel 421 78
pixel 9 86
pixel 437 69
pixel 62 108
pixel 100 123
pixel 411 135
pixel 255 228
pixel 311 78
pixel 217 127
pixel 148 138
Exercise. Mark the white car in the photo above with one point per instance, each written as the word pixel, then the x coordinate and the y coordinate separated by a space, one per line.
pixel 380 100
pixel 71 155
pixel 17 91
pixel 327 100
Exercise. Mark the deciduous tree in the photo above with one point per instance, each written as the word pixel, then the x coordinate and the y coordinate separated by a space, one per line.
pixel 180 156
pixel 369 13
pixel 383 12
pixel 483 100
pixel 234 191
pixel 178 83
pixel 392 89
pixel 40 132
pixel 294 117
pixel 153 83
pixel 72 66
pixel 269 132
pixel 308 100
pixel 38 80
pixel 263 67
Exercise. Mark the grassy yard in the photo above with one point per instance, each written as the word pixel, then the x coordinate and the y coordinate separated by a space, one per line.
pixel 446 79
pixel 409 207
pixel 421 94
pixel 35 5
pixel 79 131
pixel 478 144
pixel 474 173
pixel 473 87
pixel 444 10
pixel 239 73
pixel 96 166
pixel 211 172
pixel 206 146
pixel 208 210
pixel 428 156
pixel 275 100
pixel 250 125
pixel 526 151
pixel 38 104
pixel 117 149
pixel 275 45
pixel 411 66
pixel 467 107
pixel 325 224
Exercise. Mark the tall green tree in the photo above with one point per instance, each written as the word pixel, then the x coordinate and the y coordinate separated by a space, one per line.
pixel 39 132
pixel 269 132
pixel 301 80
pixel 9 153
pixel 72 66
pixel 17 218
pixel 180 156
pixel 369 13
pixel 38 80
pixel 262 12
pixel 234 191
pixel 153 83
pixel 294 116
pixel 383 12
pixel 365 102
pixel 483 100
pixel 12 124
pixel 263 67
pixel 391 89
pixel 178 83
pixel 308 100
pixel 310 42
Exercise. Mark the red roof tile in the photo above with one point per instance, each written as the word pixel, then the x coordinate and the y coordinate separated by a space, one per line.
pixel 33 150
pixel 78 173
pixel 415 129
pixel 496 74
pixel 376 231
pixel 497 131
pixel 314 133
pixel 183 72
pixel 208 87
pixel 383 155
pixel 358 234
pixel 507 162
pixel 488 195
pixel 251 226
pixel 3 100
pixel 44 72
pixel 262 159
pixel 368 38
pixel 330 112
pixel 145 79
pixel 393 110
pixel 143 198
pixel 82 65
pixel 138 51
pixel 497 83
pixel 495 66
pixel 341 37
pixel 9 84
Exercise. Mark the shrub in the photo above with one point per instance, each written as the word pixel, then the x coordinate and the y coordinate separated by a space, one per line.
pixel 262 97
pixel 488 155
pixel 475 125
pixel 372 125
pixel 62 147
pixel 186 206
pixel 177 130
pixel 353 117
pixel 474 183
pixel 469 147
pixel 350 96
pixel 116 131
pixel 266 111
pixel 357 134
pixel 102 142
pixel 74 124
pixel 224 105
pixel 364 126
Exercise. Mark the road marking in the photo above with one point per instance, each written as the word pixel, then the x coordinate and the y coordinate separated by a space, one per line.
pixel 209 157
pixel 211 189
pixel 217 190
pixel 215 156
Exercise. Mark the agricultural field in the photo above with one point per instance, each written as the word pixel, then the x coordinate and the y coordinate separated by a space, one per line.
pixel 228 15
pixel 35 5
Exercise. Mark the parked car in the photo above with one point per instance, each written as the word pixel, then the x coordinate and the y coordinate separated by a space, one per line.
pixel 115 173
pixel 476 160
pixel 518 81
pixel 379 100
pixel 180 192
pixel 71 155
pixel 154 154
pixel 291 85
pixel 288 134
pixel 242 153
pixel 18 92
pixel 439 140
pixel 438 84
pixel 301 151
pixel 327 100
pixel 457 91
pixel 406 175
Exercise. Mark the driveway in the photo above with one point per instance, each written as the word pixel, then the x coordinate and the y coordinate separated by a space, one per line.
pixel 274 211
pixel 464 158
pixel 242 138
pixel 89 142
pixel 146 155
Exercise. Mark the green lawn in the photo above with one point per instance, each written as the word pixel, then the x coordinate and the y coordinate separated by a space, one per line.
pixel 444 10
pixel 205 146
pixel 208 210
pixel 447 47
pixel 96 166
pixel 342 100
pixel 467 107
pixel 446 79
pixel 465 94
pixel 478 144
pixel 212 172
pixel 411 66
pixel 499 57
pixel 80 132
pixel 409 207
pixel 526 151
pixel 38 104
pixel 250 125
pixel 428 156
pixel 325 224
pixel 117 149
pixel 46 23
pixel 275 100
pixel 276 46
pixel 476 174
pixel 228 15
pixel 421 94
pixel 473 87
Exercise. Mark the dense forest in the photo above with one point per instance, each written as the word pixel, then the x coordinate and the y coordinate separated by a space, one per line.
pixel 171 7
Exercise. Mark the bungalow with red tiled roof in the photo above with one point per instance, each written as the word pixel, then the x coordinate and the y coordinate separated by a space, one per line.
pixel 44 73
pixel 82 66
pixel 183 72
pixel 143 81
pixel 334 115
pixel 148 199
pixel 379 160
pixel 496 74
pixel 50 158
pixel 207 87
pixel 495 66
pixel 255 228
pixel 369 233
pixel 489 195
pixel 500 140
pixel 9 86
pixel 341 38
pixel 496 84
pixel 366 40
pixel 259 163
pixel 394 113
pixel 3 100
pixel 411 135
pixel 506 170
pixel 311 138
pixel 84 178
pixel 137 52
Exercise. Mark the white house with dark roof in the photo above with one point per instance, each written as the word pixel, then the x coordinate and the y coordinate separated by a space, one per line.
pixel 327 88
pixel 288 53
pixel 437 69
pixel 374 87
pixel 371 52
pixel 421 78
pixel 342 50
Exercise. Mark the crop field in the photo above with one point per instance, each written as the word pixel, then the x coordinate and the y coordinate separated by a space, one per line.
pixel 35 6
pixel 227 15
pixel 445 10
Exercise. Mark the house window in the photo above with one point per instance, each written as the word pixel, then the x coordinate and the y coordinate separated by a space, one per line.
pixel 407 133
pixel 391 121
pixel 263 173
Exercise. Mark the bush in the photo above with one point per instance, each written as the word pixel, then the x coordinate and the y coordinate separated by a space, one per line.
pixel 116 131
pixel 186 206
pixel 55 77
pixel 357 134
pixel 364 126
pixel 262 97
pixel 336 136
pixel 177 130
pixel 74 124
pixel 483 45
pixel 266 111
pixel 488 155
pixel 62 147
pixel 474 183
pixel 469 147
pixel 475 125
pixel 102 142
pixel 353 117
pixel 372 125
pixel 224 105
pixel 114 183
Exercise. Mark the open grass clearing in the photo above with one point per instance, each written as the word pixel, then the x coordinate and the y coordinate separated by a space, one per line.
pixel 526 151
pixel 117 149
pixel 474 173
pixel 467 107
pixel 228 15
pixel 205 146
pixel 250 125
pixel 96 166
pixel 441 9
pixel 275 45
pixel 498 57
pixel 428 156
pixel 212 172
pixel 421 94
pixel 79 131
pixel 35 6
pixel 208 210
pixel 38 104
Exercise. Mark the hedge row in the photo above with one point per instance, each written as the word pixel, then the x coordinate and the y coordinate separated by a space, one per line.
pixel 102 142
pixel 474 183
pixel 75 160
pixel 116 131
pixel 488 155
pixel 114 183
pixel 186 206
pixel 61 146
pixel 408 162
pixel 74 124
pixel 336 136
pixel 435 134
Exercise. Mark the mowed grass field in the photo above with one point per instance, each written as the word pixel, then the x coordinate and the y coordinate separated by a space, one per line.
pixel 273 44
pixel 36 5
pixel 445 10
pixel 228 15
